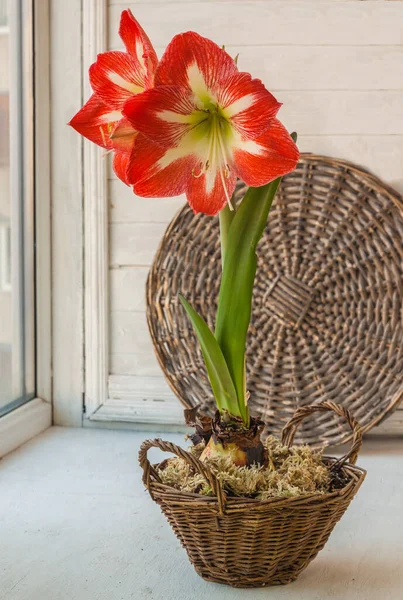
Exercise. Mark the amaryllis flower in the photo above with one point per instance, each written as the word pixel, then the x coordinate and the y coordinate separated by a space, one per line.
pixel 203 125
pixel 115 77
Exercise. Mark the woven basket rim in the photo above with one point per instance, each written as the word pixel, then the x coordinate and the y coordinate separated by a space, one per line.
pixel 358 476
pixel 373 181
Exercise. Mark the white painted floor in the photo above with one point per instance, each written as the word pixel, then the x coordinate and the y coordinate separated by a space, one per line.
pixel 76 524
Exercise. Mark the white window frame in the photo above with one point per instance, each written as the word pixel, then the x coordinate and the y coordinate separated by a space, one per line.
pixel 96 248
pixel 35 416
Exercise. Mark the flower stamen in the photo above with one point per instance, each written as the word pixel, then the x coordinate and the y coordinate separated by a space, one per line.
pixel 217 158
pixel 201 172
pixel 224 173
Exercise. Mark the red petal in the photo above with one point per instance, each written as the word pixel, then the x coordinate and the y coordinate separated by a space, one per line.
pixel 138 45
pixel 156 172
pixel 96 121
pixel 123 136
pixel 248 105
pixel 116 77
pixel 162 114
pixel 120 164
pixel 191 60
pixel 271 155
pixel 209 199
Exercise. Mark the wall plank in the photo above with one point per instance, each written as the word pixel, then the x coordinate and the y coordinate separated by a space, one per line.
pixel 324 68
pixel 127 289
pixel 136 365
pixel 131 347
pixel 126 206
pixel 343 112
pixel 135 243
pixel 277 22
pixel 130 333
pixel 284 67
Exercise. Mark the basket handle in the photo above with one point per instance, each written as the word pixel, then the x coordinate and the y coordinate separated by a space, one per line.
pixel 290 429
pixel 200 467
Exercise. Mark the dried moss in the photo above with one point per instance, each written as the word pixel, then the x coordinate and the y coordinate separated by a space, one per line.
pixel 290 472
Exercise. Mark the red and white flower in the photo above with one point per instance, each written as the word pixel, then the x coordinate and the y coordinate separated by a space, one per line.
pixel 203 125
pixel 116 77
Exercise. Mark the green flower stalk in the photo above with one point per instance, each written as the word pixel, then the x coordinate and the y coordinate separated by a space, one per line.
pixel 224 350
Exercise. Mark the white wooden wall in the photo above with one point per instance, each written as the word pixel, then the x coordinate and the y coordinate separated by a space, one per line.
pixel 338 68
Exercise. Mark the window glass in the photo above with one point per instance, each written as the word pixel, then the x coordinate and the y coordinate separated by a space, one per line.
pixel 17 366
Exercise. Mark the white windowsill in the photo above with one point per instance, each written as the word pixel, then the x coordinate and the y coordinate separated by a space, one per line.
pixel 24 423
pixel 77 523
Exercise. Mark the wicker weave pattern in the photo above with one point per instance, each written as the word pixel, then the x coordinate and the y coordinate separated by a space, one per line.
pixel 251 543
pixel 327 320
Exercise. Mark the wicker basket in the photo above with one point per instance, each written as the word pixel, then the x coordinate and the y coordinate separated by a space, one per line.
pixel 250 543
pixel 327 305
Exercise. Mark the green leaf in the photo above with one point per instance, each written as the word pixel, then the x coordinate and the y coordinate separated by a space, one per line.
pixel 235 299
pixel 220 378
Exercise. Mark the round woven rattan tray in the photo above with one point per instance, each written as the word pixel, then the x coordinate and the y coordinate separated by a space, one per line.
pixel 327 320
